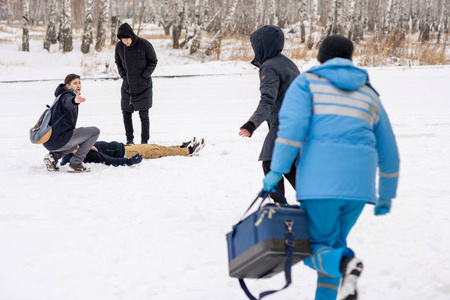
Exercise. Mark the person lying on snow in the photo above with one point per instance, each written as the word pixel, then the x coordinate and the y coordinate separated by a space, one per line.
pixel 118 154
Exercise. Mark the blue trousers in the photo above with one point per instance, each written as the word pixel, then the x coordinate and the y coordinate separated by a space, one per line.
pixel 329 223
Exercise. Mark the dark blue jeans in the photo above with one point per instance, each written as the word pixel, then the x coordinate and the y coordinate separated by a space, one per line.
pixel 145 125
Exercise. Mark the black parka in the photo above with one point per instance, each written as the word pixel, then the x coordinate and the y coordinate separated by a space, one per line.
pixel 135 64
pixel 276 72
pixel 66 106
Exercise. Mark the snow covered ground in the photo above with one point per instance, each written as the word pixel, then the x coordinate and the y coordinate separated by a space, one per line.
pixel 157 230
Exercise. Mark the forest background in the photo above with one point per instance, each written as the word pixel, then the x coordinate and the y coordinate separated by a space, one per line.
pixel 387 32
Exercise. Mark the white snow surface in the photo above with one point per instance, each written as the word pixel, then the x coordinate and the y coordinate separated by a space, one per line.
pixel 157 230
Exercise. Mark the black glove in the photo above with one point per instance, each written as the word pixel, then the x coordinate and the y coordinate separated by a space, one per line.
pixel 249 126
pixel 134 160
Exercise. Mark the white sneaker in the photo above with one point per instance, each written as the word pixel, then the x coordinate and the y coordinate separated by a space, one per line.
pixel 195 148
pixel 352 268
pixel 188 143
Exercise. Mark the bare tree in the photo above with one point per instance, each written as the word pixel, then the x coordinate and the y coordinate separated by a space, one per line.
pixel 50 36
pixel 114 21
pixel 66 26
pixel 259 8
pixel 9 12
pixel 350 22
pixel 102 24
pixel 141 15
pixel 272 12
pixel 303 17
pixel 328 28
pixel 199 24
pixel 178 24
pixel 162 13
pixel 312 24
pixel 87 35
pixel 25 25
pixel 219 35
pixel 426 22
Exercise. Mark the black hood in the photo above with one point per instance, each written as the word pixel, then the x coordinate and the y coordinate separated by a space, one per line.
pixel 267 42
pixel 125 31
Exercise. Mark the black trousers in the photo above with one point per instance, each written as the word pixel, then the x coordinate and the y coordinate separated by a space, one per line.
pixel 289 176
pixel 145 125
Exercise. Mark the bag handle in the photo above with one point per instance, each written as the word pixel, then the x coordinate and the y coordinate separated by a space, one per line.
pixel 287 266
pixel 263 195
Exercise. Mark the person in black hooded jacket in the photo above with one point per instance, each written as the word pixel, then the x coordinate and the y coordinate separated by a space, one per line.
pixel 136 60
pixel 276 72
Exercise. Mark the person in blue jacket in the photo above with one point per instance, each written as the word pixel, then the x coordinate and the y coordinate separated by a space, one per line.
pixel 118 154
pixel 334 118
pixel 276 72
pixel 65 136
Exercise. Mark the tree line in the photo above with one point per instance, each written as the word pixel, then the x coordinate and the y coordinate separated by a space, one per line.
pixel 313 19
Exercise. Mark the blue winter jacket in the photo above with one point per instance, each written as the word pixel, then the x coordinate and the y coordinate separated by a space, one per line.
pixel 109 153
pixel 62 132
pixel 335 117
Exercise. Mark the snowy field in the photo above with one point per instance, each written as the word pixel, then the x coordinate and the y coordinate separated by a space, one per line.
pixel 156 230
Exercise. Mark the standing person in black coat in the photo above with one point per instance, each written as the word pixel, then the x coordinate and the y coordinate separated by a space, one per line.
pixel 136 61
pixel 276 72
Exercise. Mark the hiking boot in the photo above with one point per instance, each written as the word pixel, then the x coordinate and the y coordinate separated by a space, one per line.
pixel 351 268
pixel 196 147
pixel 188 143
pixel 77 168
pixel 51 162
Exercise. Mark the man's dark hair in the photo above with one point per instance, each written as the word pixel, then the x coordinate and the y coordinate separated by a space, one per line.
pixel 69 78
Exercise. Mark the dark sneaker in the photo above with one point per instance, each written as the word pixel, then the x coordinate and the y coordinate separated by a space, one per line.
pixel 77 168
pixel 196 147
pixel 351 268
pixel 144 142
pixel 188 143
pixel 129 143
pixel 51 162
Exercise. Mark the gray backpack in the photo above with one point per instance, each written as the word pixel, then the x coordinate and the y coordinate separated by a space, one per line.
pixel 42 131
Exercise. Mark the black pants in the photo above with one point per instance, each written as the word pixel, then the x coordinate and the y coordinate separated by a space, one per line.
pixel 145 125
pixel 289 176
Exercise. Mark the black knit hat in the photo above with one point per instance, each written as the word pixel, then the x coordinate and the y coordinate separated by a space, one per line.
pixel 335 46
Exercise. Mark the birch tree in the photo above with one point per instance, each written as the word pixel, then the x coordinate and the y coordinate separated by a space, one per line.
pixel 102 25
pixel 89 19
pixel 349 24
pixel 303 17
pixel 177 27
pixel 443 19
pixel 66 26
pixel 162 13
pixel 312 24
pixel 199 24
pixel 259 7
pixel 426 21
pixel 337 25
pixel 272 13
pixel 25 25
pixel 328 28
pixel 114 21
pixel 219 35
pixel 9 14
pixel 50 36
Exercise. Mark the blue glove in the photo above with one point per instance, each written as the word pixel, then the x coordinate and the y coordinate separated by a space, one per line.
pixel 134 160
pixel 271 180
pixel 383 207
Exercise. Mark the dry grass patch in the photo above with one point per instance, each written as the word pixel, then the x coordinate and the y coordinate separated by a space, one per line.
pixel 381 51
